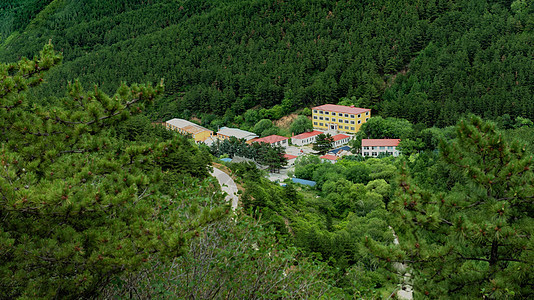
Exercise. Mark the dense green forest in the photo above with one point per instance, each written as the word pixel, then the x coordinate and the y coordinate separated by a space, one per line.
pixel 427 61
pixel 95 201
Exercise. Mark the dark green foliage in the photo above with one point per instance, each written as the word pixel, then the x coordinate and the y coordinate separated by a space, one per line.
pixel 475 238
pixel 79 206
pixel 428 62
pixel 323 143
pixel 262 153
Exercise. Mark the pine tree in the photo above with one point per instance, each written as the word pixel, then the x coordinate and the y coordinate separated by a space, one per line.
pixel 476 239
pixel 77 206
pixel 323 143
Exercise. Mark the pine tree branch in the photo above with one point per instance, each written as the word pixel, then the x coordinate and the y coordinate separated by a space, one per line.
pixel 45 134
pixel 126 106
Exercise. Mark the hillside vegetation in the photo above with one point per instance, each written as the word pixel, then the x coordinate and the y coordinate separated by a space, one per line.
pixel 427 61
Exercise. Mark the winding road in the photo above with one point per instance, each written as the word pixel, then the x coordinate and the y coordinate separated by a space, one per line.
pixel 227 185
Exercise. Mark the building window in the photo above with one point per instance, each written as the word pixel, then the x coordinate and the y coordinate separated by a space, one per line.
pixel 320 124
pixel 359 121
pixel 347 121
pixel 314 123
pixel 326 113
pixel 320 118
pixel 333 113
pixel 346 115
pixel 382 148
pixel 347 127
pixel 315 111
pixel 366 113
pixel 390 147
pixel 373 147
pixel 333 119
pixel 366 119
pixel 359 116
pixel 321 112
pixel 352 116
pixel 326 118
pixel 315 117
pixel 366 153
pixel 352 128
pixel 373 154
pixel 366 148
pixel 352 122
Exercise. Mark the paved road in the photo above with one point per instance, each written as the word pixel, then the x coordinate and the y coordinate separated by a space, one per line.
pixel 227 185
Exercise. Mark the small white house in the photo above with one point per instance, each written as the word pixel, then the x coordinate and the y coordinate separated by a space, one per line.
pixel 341 139
pixel 274 139
pixel 329 158
pixel 305 138
pixel 373 147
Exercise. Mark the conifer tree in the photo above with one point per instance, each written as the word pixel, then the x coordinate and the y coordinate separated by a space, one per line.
pixel 78 208
pixel 323 143
pixel 474 240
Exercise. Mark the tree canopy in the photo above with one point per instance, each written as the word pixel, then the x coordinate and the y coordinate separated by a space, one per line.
pixel 77 205
pixel 428 62
pixel 473 239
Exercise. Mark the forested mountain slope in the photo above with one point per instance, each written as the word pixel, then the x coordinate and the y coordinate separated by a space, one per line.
pixel 427 61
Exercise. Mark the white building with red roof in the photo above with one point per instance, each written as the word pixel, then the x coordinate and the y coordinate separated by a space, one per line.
pixel 341 139
pixel 329 158
pixel 339 117
pixel 305 138
pixel 275 140
pixel 290 159
pixel 373 147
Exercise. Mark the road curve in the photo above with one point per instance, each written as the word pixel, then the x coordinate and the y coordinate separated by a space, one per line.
pixel 227 185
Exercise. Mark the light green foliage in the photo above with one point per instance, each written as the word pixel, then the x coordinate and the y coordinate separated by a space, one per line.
pixel 300 125
pixel 475 238
pixel 78 205
pixel 264 127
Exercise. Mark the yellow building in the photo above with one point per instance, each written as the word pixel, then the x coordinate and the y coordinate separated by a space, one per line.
pixel 199 133
pixel 339 117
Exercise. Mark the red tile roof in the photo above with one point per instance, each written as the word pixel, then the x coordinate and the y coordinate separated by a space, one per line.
pixel 289 156
pixel 306 135
pixel 271 139
pixel 329 156
pixel 380 142
pixel 340 137
pixel 342 109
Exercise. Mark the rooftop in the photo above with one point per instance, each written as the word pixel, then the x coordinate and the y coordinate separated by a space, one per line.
pixel 380 142
pixel 338 137
pixel 342 109
pixel 289 156
pixel 271 139
pixel 194 129
pixel 304 181
pixel 335 151
pixel 238 133
pixel 180 123
pixel 307 135
pixel 329 157
pixel 187 126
